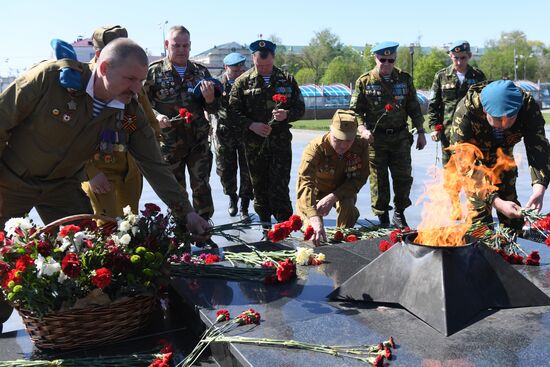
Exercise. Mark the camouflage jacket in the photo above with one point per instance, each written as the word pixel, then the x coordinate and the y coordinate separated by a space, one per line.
pixel 470 126
pixel 222 115
pixel 323 171
pixel 372 93
pixel 447 91
pixel 251 99
pixel 168 92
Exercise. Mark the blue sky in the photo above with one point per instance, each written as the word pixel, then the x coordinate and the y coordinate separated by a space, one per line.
pixel 28 26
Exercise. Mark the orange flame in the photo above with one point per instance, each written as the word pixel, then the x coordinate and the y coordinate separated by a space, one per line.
pixel 445 219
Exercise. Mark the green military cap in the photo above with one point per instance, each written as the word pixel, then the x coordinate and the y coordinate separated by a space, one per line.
pixel 103 35
pixel 344 125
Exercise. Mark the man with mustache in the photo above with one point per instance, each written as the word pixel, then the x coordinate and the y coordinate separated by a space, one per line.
pixel 49 131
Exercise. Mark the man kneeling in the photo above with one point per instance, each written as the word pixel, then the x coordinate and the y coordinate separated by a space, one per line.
pixel 334 168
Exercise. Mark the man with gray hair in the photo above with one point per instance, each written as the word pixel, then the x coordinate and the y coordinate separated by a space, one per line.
pixel 48 132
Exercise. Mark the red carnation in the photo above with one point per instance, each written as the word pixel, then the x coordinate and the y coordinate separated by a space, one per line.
pixel 286 271
pixel 533 259
pixel 388 107
pixel 279 232
pixel 295 222
pixel 387 353
pixel 384 245
pixel 351 238
pixel 379 361
pixel 308 233
pixel 23 262
pixel 279 98
pixel 547 243
pixel 211 258
pixel 438 127
pixel 186 115
pixel 516 259
pixel 222 315
pixel 2 236
pixel 102 278
pixel 395 235
pixel 66 230
pixel 44 248
pixel 71 265
pixel 338 236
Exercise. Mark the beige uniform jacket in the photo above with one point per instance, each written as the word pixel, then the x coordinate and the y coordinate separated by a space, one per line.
pixel 47 132
pixel 323 171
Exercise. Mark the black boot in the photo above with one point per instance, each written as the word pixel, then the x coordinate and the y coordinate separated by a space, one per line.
pixel 399 219
pixel 384 220
pixel 244 209
pixel 232 210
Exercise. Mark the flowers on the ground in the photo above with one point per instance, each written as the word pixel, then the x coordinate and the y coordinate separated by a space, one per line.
pixel 308 233
pixel 384 245
pixel 55 270
pixel 336 234
pixel 351 238
pixel 282 230
pixel 533 259
pixel 306 256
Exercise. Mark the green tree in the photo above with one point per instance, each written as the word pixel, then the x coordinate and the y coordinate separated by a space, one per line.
pixel 305 76
pixel 426 67
pixel 342 71
pixel 368 58
pixel 320 51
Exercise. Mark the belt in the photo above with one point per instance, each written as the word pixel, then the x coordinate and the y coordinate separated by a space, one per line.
pixel 390 131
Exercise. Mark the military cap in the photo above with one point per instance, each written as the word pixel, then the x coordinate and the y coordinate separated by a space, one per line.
pixel 344 125
pixel 501 98
pixel 234 58
pixel 262 45
pixel 62 49
pixel 103 35
pixel 459 46
pixel 218 88
pixel 385 48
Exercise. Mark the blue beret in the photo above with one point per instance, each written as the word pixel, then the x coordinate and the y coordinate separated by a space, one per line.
pixel 218 88
pixel 385 48
pixel 62 49
pixel 234 58
pixel 501 98
pixel 459 46
pixel 262 45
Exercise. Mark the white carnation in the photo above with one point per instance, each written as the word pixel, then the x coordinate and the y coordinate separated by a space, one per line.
pixel 303 254
pixel 46 266
pixel 14 223
pixel 125 239
pixel 127 210
pixel 62 277
pixel 124 226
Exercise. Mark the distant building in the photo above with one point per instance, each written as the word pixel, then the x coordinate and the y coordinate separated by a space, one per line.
pixel 213 58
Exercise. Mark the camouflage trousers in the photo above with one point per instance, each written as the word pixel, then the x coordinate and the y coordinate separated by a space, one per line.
pixel 230 157
pixel 188 148
pixel 346 211
pixel 506 191
pixel 269 161
pixel 390 153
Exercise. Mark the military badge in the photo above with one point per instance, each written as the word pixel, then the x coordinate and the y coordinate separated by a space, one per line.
pixel 72 105
pixel 387 52
pixel 129 122
pixel 66 117
pixel 261 44
pixel 457 49
pixel 55 112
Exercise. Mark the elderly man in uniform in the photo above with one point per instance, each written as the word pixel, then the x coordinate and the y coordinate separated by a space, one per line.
pixel 185 142
pixel 383 99
pixel 334 168
pixel 230 154
pixel 115 182
pixel 498 115
pixel 450 86
pixel 48 132
pixel 267 129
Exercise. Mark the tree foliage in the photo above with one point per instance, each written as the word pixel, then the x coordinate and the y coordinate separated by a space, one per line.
pixel 426 67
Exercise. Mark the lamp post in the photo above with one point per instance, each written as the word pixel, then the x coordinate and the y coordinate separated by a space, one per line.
pixel 411 53
pixel 163 27
pixel 515 64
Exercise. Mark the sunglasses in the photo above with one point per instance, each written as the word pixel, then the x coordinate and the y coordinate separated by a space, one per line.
pixel 391 61
pixel 460 57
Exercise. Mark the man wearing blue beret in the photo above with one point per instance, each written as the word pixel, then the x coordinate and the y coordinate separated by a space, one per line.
pixel 450 86
pixel 498 115
pixel 383 99
pixel 185 142
pixel 266 126
pixel 230 154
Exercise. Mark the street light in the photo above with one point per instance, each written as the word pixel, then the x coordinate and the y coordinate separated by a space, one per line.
pixel 515 64
pixel 411 52
pixel 163 27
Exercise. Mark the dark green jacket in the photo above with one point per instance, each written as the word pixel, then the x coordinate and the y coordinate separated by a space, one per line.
pixel 372 93
pixel 447 91
pixel 251 98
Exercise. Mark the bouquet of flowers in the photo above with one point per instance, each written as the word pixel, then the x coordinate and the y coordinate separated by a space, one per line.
pixel 44 271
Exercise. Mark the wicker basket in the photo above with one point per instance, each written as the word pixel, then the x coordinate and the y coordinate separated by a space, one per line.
pixel 91 325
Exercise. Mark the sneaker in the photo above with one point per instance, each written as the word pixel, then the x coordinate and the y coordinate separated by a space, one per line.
pixel 384 220
pixel 399 219
pixel 232 210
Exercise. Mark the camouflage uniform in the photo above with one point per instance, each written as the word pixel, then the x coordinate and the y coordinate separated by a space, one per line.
pixel 446 93
pixel 269 160
pixel 470 126
pixel 230 152
pixel 323 172
pixel 184 145
pixel 391 148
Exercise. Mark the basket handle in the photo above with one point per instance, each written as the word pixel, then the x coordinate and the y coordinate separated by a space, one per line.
pixel 72 218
